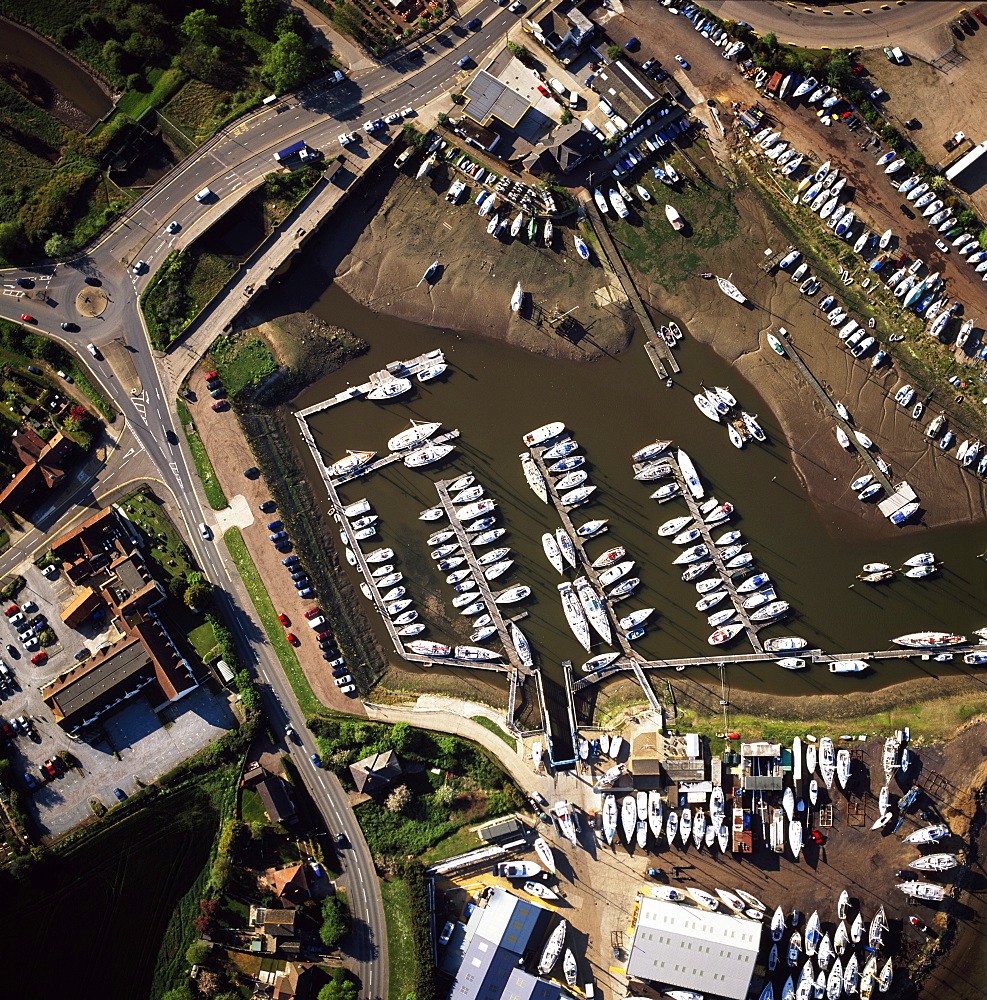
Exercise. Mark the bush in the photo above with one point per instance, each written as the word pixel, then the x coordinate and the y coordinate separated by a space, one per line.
pixel 424 972
pixel 342 986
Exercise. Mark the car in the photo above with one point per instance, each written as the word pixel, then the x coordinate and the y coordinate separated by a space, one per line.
pixel 91 348
pixel 25 282
pixel 14 651
pixel 349 690
pixel 464 62
pixel 39 657
pixel 173 227
pixel 446 933
pixel 31 781
pixel 340 839
pixel 252 473
pixel 395 116
pixel 407 112
pixel 539 800
pixel 284 619
pixel 49 571
pixel 204 195
pixel 944 247
pixel 474 25
pixel 267 507
pixel 290 734
pixel 26 318
pixel 956 30
pixel 49 769
pixel 71 327
pixel 312 612
pixel 347 137
pixel 682 62
pixel 876 95
pixel 33 370
pixel 544 91
pixel 205 531
pixel 300 575
pixel 12 610
pixel 17 619
pixel 338 662
pixel 220 405
pixel 293 639
pixel 316 869
pixel 345 679
pixel 7 730
pixel 326 634
pixel 302 585
pixel 979 15
pixel 853 122
pixel 632 44
pixel 211 376
pixel 120 794
pixel 278 536
pixel 647 64
pixel 315 624
pixel 314 758
pixel 140 267
pixel 912 124
pixel 289 560
pixel 65 375
pixel 373 125
pixel 275 525
pixel 516 7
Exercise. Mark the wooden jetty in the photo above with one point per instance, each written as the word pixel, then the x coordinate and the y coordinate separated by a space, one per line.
pixel 579 542
pixel 706 532
pixel 390 459
pixel 776 258
pixel 483 585
pixel 395 369
pixel 865 456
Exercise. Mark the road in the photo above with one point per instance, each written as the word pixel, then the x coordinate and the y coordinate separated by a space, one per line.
pixel 916 25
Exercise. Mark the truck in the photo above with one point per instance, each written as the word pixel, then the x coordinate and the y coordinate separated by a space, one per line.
pixel 298 149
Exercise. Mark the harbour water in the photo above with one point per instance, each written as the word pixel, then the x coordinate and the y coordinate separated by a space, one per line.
pixel 495 393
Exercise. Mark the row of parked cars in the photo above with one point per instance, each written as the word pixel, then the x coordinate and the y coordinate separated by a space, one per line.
pixel 28 630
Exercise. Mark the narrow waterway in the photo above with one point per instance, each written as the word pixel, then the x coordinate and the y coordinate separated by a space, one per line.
pixel 494 394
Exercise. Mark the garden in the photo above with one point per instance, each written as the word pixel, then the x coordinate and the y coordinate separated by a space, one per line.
pixel 448 783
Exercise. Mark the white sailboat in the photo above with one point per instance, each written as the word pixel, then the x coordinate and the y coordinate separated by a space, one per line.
pixel 654 813
pixel 609 817
pixel 628 817
pixel 689 474
pixel 534 478
pixel 575 615
pixel 552 950
pixel 552 551
pixel 593 607
pixel 517 299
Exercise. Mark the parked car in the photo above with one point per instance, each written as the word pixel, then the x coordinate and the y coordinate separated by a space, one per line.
pixel 633 44
pixel 345 679
pixel 267 506
pixel 120 794
pixel 293 639
pixel 275 525
pixel 278 536
pixel 220 405
pixel 312 612
pixel 211 376
pixel 289 560
pixel 316 623
pixel 348 689
pixel 682 62
pixel 284 619
pixel 26 318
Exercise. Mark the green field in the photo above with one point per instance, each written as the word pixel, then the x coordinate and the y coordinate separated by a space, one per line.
pixel 400 938
pixel 92 919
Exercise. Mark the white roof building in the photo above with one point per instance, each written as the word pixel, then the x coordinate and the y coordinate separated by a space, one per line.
pixel 689 948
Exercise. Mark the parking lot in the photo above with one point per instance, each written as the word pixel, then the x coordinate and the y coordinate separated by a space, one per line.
pixel 134 742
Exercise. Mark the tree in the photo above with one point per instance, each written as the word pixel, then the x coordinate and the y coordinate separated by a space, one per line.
pixel 613 52
pixel 566 116
pixel 200 27
pixel 196 953
pixel 445 794
pixel 335 921
pixel 57 245
pixel 261 15
pixel 288 63
pixel 198 595
pixel 398 799
pixel 183 992
pixel 342 986
pixel 347 18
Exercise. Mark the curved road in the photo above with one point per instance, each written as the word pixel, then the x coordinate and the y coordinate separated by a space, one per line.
pixel 239 155
pixel 917 25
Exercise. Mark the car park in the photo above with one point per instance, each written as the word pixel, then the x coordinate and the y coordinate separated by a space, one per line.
pixel 205 531
pixel 682 62
pixel 293 639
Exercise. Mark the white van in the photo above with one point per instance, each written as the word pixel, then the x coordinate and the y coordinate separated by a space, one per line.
pixel 204 195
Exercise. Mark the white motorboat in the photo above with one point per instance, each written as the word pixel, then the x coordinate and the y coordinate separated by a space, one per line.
pixel 517 869
pixel 731 291
pixel 542 434
pixel 635 618
pixel 706 407
pixel 540 890
pixel 390 388
pixel 791 663
pixel 472 510
pixel 675 525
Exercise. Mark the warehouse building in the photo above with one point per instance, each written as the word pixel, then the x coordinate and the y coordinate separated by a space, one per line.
pixel 693 949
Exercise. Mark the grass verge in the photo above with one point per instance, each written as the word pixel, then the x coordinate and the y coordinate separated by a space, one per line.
pixel 269 619
pixel 207 474
pixel 400 938
pixel 494 728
